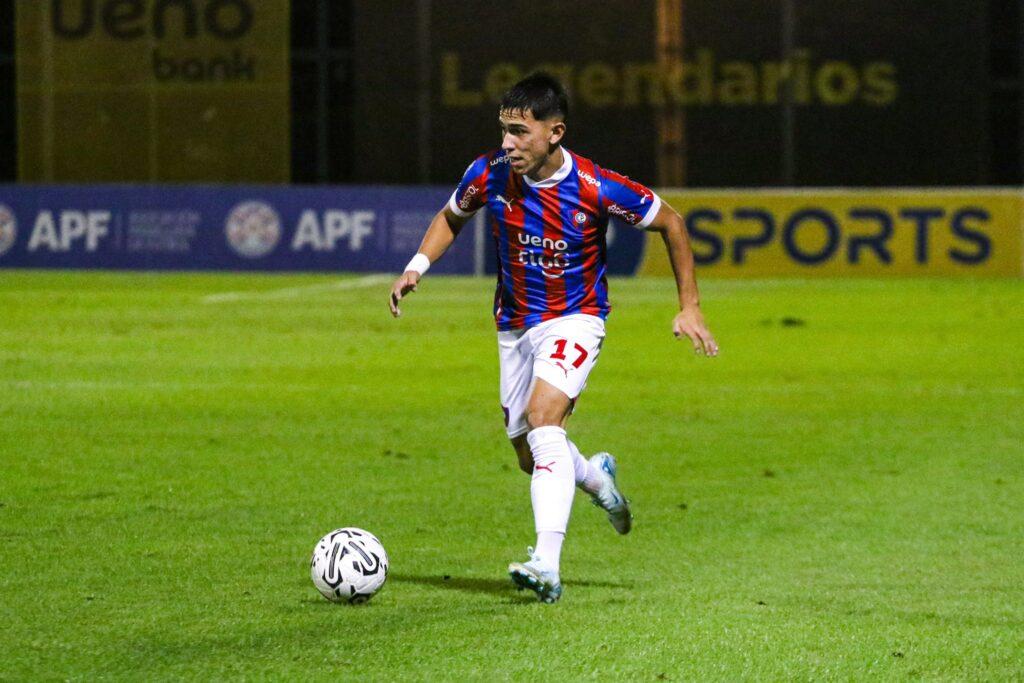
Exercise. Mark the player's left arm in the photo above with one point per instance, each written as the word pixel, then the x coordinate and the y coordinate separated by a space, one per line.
pixel 689 321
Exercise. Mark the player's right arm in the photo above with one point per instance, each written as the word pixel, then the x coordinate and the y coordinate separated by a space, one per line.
pixel 440 235
pixel 468 198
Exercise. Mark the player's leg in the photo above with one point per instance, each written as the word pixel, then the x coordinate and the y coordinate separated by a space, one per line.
pixel 516 361
pixel 552 485
pixel 522 448
pixel 595 475
pixel 564 351
pixel 564 358
pixel 516 389
pixel 588 475
pixel 517 384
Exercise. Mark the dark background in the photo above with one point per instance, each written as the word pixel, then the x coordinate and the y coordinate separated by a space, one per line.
pixel 360 90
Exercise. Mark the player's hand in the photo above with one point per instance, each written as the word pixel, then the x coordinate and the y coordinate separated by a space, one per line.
pixel 403 285
pixel 690 323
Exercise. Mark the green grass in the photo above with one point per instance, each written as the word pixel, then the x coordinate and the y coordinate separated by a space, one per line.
pixel 838 496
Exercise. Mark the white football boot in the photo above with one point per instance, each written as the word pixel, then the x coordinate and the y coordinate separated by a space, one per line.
pixel 537 577
pixel 609 497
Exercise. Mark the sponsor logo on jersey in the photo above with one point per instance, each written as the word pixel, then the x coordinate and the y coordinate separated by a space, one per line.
pixel 253 229
pixel 624 214
pixel 506 202
pixel 467 196
pixel 503 159
pixel 553 266
pixel 587 178
pixel 542 242
pixel 8 229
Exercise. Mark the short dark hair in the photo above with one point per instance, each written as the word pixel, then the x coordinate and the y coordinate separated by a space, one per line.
pixel 541 94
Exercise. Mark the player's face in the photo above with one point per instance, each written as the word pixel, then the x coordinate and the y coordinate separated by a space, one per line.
pixel 527 141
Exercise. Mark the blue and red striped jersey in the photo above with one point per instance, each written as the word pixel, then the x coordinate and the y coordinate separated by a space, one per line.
pixel 550 234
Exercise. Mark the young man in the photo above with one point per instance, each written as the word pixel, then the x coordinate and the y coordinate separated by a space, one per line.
pixel 550 210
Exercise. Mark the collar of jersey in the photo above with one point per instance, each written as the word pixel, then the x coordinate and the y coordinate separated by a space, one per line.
pixel 555 177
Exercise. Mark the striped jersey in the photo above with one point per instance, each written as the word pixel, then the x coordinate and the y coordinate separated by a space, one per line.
pixel 550 234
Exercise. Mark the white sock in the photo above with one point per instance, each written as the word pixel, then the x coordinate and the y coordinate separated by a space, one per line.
pixel 588 477
pixel 549 547
pixel 551 490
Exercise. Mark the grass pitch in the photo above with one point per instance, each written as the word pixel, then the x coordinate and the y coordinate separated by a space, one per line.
pixel 838 496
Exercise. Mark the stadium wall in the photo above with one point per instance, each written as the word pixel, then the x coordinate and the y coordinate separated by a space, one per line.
pixel 374 228
pixel 872 93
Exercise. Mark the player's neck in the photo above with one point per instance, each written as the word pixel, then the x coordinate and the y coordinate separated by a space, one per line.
pixel 548 168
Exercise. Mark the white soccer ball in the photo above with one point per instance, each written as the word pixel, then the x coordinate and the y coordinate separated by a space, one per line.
pixel 349 565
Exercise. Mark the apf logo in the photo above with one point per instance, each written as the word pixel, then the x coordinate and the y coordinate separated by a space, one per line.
pixel 8 229
pixel 253 229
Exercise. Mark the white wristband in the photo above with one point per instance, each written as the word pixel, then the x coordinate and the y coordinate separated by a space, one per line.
pixel 420 263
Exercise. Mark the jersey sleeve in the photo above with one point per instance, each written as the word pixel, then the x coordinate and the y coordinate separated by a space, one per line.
pixel 628 200
pixel 471 194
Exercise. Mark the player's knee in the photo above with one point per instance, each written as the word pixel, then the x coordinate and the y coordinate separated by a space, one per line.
pixel 543 416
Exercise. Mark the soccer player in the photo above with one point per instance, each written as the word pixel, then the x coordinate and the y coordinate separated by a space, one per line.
pixel 550 210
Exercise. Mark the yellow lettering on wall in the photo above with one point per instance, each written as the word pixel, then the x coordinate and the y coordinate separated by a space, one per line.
pixel 452 94
pixel 700 81
pixel 880 83
pixel 690 83
pixel 837 83
pixel 563 72
pixel 772 76
pixel 800 76
pixel 739 83
pixel 500 78
pixel 642 84
pixel 598 85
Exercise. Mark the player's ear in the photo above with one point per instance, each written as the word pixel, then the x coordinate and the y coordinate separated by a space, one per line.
pixel 557 132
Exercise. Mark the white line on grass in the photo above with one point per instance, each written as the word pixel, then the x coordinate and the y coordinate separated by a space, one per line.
pixel 290 292
pixel 110 385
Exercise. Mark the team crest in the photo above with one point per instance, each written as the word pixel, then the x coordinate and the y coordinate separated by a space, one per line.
pixel 253 229
pixel 8 229
pixel 580 217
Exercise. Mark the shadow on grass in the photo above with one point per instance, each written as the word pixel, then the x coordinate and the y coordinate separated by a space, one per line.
pixel 493 586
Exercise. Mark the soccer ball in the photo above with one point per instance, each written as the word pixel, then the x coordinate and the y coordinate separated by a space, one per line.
pixel 349 565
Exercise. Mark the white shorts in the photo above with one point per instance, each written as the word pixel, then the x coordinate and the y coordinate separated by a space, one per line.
pixel 561 352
